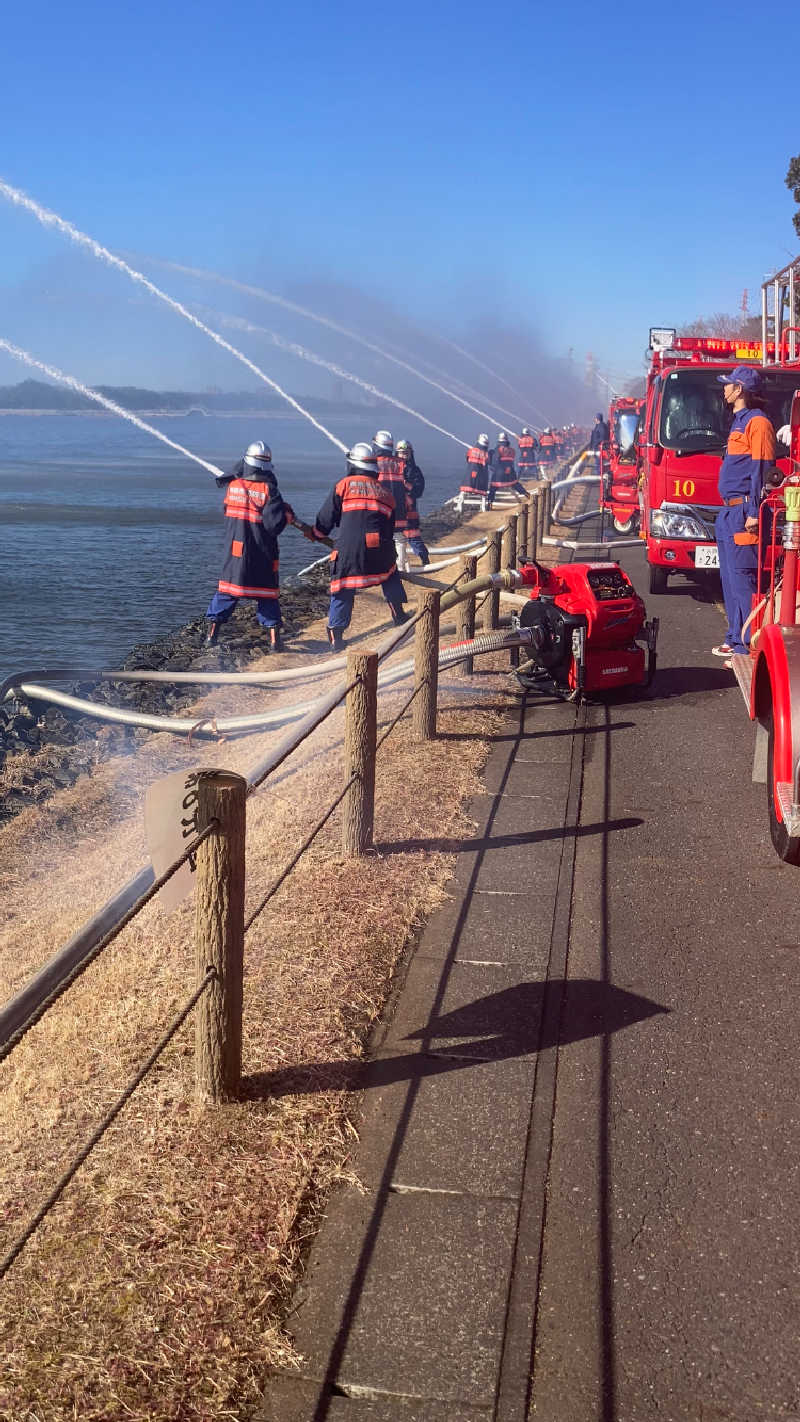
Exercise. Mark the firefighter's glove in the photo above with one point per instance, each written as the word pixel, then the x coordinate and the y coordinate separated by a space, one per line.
pixel 784 434
pixel 289 511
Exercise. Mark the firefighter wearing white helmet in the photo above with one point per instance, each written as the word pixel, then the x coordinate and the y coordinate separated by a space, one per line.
pixel 527 453
pixel 363 511
pixel 255 515
pixel 476 480
pixel 390 474
pixel 414 482
pixel 503 473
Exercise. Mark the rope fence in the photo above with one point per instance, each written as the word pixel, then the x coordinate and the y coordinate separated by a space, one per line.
pixel 217 848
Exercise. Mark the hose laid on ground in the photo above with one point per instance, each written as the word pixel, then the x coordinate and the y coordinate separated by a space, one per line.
pixel 21 681
pixel 212 726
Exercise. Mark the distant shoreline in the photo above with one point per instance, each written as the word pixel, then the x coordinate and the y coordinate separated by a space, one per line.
pixel 255 414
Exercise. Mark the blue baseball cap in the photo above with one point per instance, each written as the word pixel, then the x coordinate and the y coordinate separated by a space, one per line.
pixel 748 376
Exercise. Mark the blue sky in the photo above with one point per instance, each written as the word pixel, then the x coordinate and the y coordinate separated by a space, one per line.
pixel 589 170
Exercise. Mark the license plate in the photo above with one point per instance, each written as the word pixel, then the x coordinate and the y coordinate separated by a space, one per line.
pixel 706 556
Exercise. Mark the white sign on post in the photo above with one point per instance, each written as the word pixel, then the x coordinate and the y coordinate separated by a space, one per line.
pixel 170 821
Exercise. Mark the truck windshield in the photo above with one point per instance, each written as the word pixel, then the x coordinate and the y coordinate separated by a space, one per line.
pixel 694 417
pixel 693 414
pixel 625 423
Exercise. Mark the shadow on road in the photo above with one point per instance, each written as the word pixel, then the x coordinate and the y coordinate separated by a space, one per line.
pixel 503 1025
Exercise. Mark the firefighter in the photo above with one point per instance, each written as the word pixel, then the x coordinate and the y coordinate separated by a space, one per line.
pixel 503 471
pixel 477 479
pixel 257 515
pixel 749 456
pixel 362 508
pixel 547 446
pixel 599 435
pixel 414 481
pixel 528 458
pixel 390 474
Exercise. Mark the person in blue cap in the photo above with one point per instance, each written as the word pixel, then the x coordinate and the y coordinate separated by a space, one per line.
pixel 750 454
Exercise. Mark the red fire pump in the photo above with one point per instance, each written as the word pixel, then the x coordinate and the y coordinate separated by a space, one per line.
pixel 588 629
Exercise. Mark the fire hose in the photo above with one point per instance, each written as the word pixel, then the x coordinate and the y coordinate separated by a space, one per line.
pixel 234 725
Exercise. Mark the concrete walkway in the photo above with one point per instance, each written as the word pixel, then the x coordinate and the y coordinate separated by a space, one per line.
pixel 420 1294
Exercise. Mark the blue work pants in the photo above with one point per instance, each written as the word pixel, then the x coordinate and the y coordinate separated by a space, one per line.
pixel 738 567
pixel 415 543
pixel 268 609
pixel 341 608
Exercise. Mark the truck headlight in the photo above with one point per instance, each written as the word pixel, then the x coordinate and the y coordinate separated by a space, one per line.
pixel 665 524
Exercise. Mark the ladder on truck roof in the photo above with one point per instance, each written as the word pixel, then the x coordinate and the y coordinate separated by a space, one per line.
pixel 780 315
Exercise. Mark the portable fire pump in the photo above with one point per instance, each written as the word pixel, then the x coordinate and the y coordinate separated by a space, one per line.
pixel 620 486
pixel 682 439
pixel 588 629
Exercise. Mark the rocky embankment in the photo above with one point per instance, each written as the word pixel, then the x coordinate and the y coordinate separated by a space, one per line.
pixel 44 748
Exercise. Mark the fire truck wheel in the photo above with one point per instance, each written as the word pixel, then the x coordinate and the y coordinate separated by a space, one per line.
pixel 658 578
pixel 627 526
pixel 786 846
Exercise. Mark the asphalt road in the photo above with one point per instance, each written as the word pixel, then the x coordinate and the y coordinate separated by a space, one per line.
pixel 671 1251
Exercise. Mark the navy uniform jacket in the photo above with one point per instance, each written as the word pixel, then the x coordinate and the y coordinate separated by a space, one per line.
pixel 504 473
pixel 390 476
pixel 255 515
pixel 527 452
pixel 599 435
pixel 477 479
pixel 414 481
pixel 362 509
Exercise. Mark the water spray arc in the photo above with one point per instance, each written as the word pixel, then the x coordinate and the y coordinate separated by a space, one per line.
pixel 110 405
pixel 51 219
pixel 239 323
pixel 293 306
pixel 489 371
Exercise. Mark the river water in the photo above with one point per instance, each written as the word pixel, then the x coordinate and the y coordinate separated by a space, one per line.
pixel 108 538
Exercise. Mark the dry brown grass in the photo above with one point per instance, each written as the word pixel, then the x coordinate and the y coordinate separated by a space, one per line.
pixel 156 1288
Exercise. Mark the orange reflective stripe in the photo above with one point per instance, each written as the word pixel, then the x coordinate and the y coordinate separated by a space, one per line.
pixel 236 591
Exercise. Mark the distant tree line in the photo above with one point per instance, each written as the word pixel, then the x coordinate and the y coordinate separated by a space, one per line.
pixel 38 395
pixel 793 184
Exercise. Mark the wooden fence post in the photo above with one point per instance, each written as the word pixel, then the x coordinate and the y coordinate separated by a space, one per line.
pixel 360 736
pixel 219 937
pixel 510 543
pixel 533 526
pixel 465 614
pixel 542 513
pixel 491 615
pixel 522 531
pixel 426 666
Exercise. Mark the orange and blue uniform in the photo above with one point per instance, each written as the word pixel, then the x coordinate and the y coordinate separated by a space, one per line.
pixel 750 452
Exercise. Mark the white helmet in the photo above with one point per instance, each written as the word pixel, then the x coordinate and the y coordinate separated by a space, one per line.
pixel 482 441
pixel 502 437
pixel 362 456
pixel 525 430
pixel 383 440
pixel 258 455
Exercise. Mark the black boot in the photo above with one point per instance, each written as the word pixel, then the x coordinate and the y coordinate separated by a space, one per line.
pixel 275 639
pixel 212 633
pixel 335 638
pixel 399 614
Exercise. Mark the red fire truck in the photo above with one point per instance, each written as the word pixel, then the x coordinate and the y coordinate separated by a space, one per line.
pixel 770 675
pixel 620 493
pixel 682 439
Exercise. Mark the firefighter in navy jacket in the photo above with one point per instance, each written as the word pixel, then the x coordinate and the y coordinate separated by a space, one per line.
pixel 750 456
pixel 414 481
pixel 503 470
pixel 362 508
pixel 390 474
pixel 477 477
pixel 255 514
pixel 528 459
